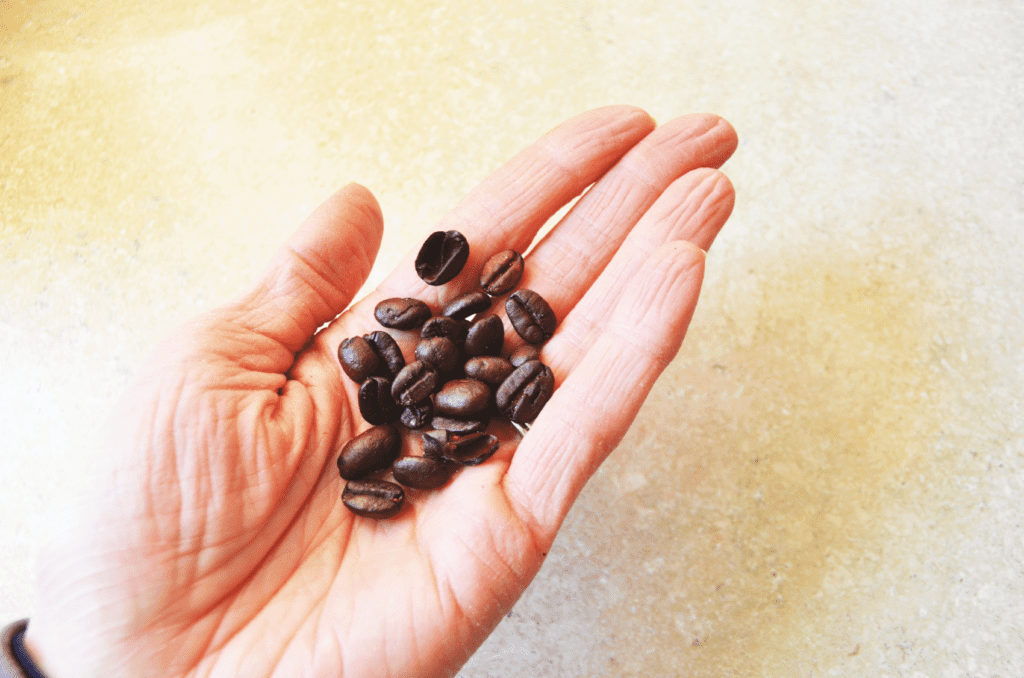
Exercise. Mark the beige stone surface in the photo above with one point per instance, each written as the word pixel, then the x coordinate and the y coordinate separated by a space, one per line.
pixel 827 481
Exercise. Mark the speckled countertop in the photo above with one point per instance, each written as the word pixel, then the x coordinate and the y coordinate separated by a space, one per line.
pixel 828 481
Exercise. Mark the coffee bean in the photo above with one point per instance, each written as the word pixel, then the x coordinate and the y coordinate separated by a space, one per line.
pixel 468 304
pixel 472 449
pixel 373 498
pixel 418 415
pixel 461 426
pixel 391 361
pixel 372 450
pixel 524 353
pixel 491 370
pixel 439 352
pixel 501 273
pixel 485 336
pixel 422 473
pixel 415 382
pixel 443 326
pixel 525 392
pixel 358 358
pixel 462 398
pixel 434 442
pixel 531 316
pixel 441 257
pixel 375 401
pixel 402 313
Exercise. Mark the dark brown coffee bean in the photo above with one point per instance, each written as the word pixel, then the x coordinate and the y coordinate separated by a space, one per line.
pixel 501 273
pixel 439 352
pixel 418 415
pixel 441 257
pixel 402 313
pixel 525 392
pixel 422 473
pixel 372 450
pixel 523 354
pixel 491 370
pixel 471 449
pixel 391 359
pixel 416 381
pixel 468 304
pixel 461 426
pixel 485 336
pixel 462 398
pixel 375 401
pixel 443 326
pixel 434 442
pixel 358 358
pixel 531 316
pixel 373 498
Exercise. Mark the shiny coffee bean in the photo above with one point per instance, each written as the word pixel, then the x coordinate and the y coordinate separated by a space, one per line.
pixel 391 361
pixel 402 313
pixel 422 473
pixel 468 304
pixel 531 316
pixel 415 382
pixel 525 392
pixel 472 449
pixel 491 370
pixel 461 426
pixel 434 442
pixel 501 273
pixel 523 354
pixel 462 398
pixel 418 415
pixel 372 450
pixel 485 336
pixel 443 326
pixel 358 359
pixel 373 498
pixel 441 257
pixel 375 401
pixel 439 352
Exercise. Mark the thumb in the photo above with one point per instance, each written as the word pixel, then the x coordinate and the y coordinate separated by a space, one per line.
pixel 314 275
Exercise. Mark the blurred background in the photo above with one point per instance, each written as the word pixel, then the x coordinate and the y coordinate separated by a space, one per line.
pixel 828 479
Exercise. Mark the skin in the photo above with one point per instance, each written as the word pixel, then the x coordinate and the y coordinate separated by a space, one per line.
pixel 211 540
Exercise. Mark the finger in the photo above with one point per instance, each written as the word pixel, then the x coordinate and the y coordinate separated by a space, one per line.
pixel 572 256
pixel 314 276
pixel 693 208
pixel 508 208
pixel 592 409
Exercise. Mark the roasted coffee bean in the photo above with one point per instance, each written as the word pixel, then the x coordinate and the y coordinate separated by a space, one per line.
pixel 373 498
pixel 531 316
pixel 375 401
pixel 418 415
pixel 434 442
pixel 501 273
pixel 439 352
pixel 491 370
pixel 468 304
pixel 525 392
pixel 443 326
pixel 372 450
pixel 441 257
pixel 358 358
pixel 471 449
pixel 391 359
pixel 461 426
pixel 402 313
pixel 422 473
pixel 524 353
pixel 462 398
pixel 485 336
pixel 416 381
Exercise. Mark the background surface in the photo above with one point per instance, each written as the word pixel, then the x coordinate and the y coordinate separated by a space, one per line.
pixel 828 479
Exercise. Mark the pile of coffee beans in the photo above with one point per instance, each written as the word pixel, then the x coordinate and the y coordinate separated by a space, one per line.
pixel 458 382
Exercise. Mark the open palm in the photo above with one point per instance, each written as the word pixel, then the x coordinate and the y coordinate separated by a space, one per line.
pixel 212 540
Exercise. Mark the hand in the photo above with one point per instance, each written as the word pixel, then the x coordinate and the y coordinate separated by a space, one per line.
pixel 212 540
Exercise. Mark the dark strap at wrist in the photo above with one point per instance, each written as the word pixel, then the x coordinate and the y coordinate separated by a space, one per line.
pixel 15 661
